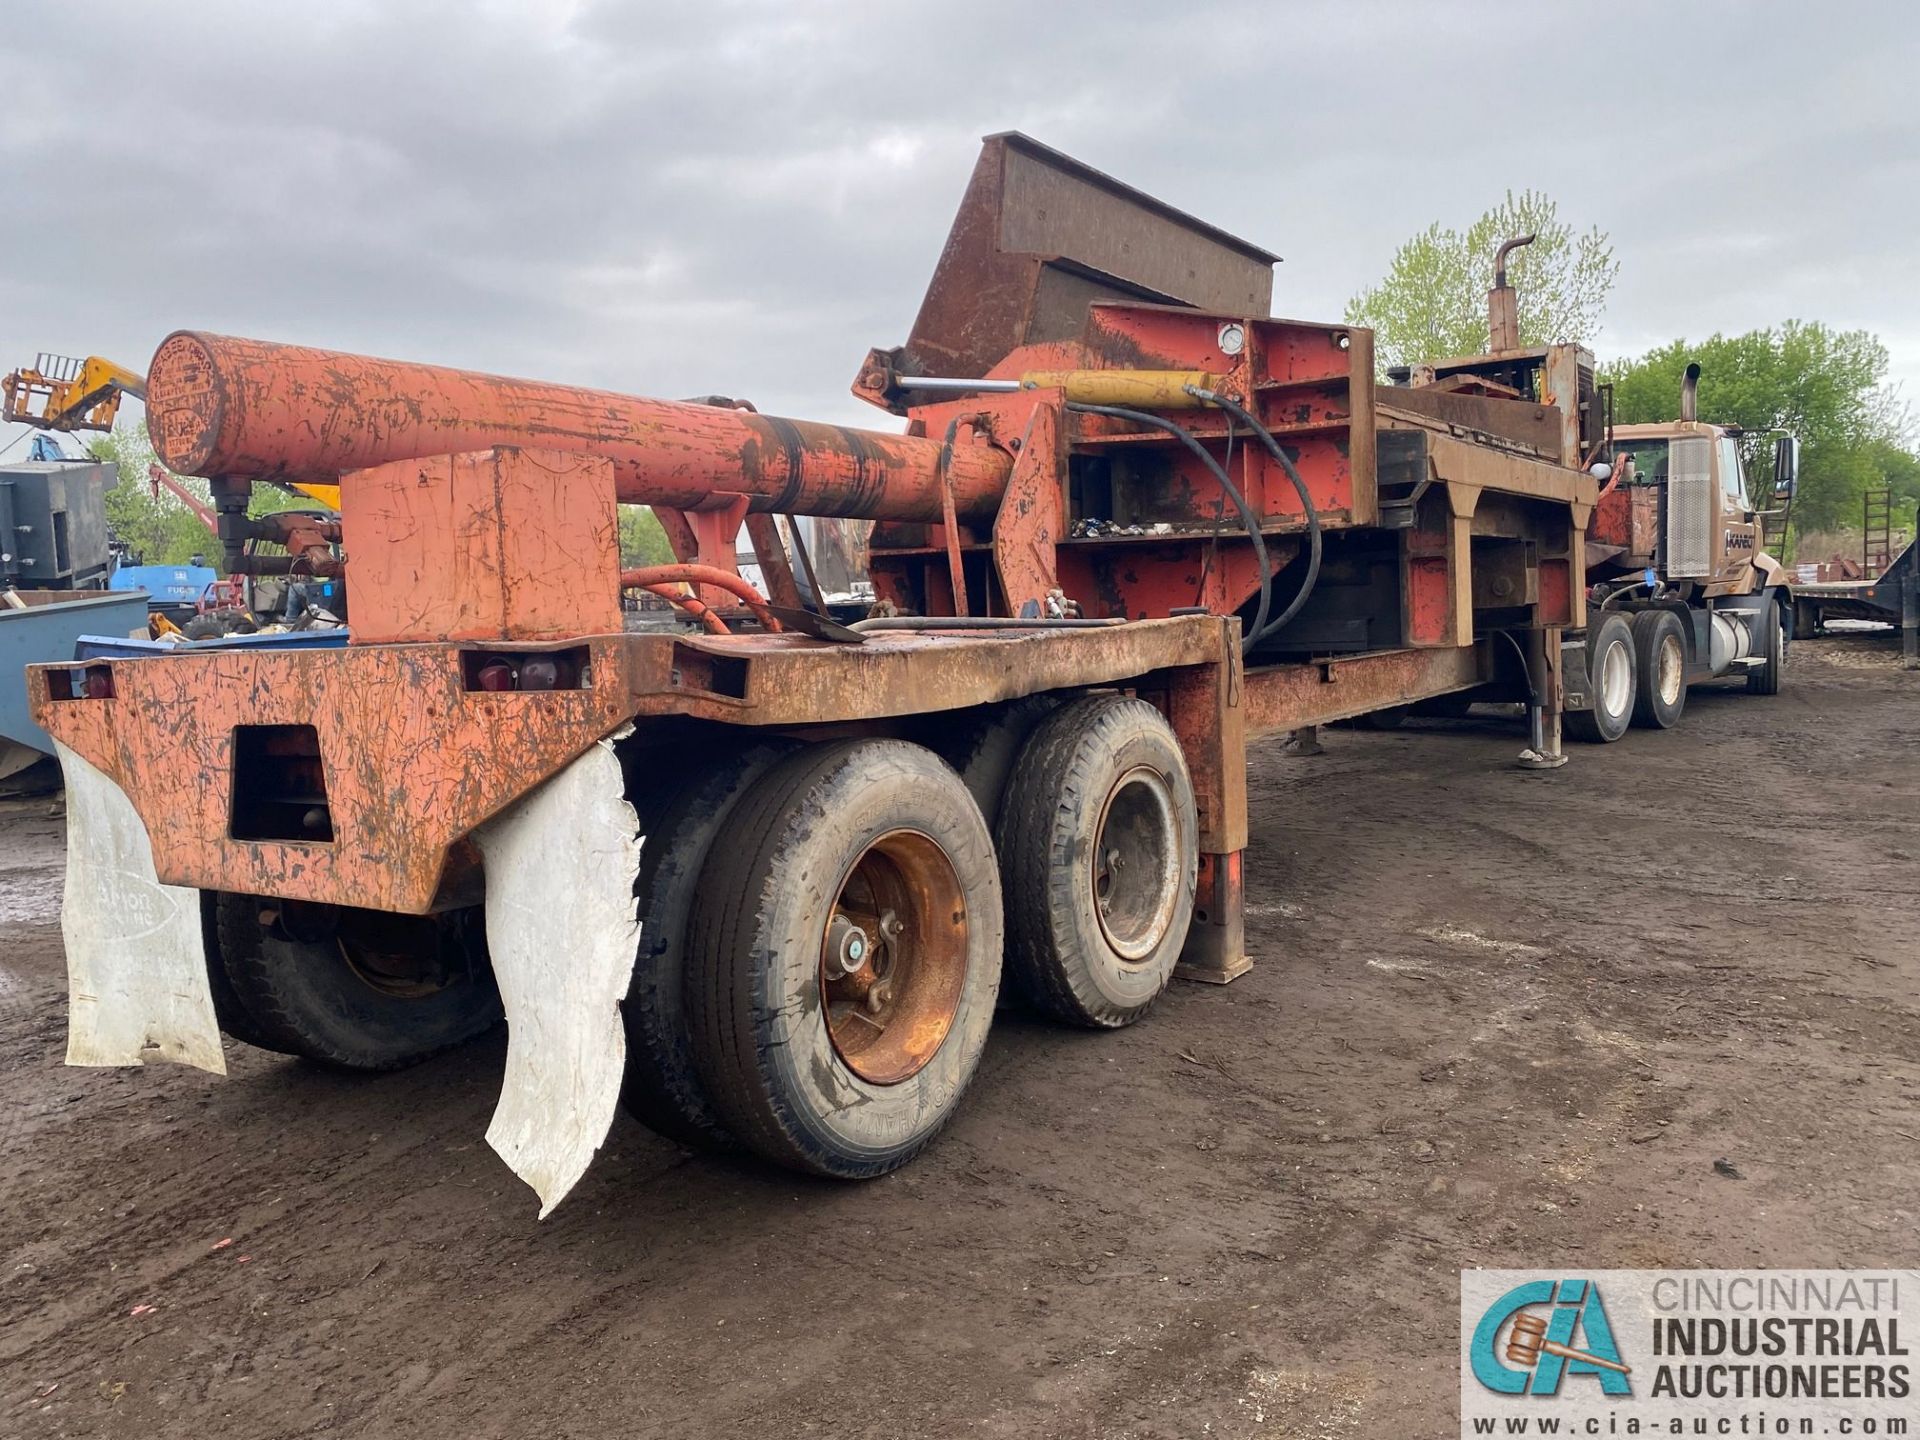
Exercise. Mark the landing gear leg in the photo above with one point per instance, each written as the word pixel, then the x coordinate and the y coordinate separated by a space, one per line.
pixel 1210 721
pixel 1303 742
pixel 1910 613
pixel 1216 949
pixel 1543 710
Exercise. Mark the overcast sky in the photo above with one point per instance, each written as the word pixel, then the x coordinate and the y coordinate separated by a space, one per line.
pixel 741 198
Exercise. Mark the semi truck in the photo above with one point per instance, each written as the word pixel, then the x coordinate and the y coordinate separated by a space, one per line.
pixel 1680 588
pixel 753 872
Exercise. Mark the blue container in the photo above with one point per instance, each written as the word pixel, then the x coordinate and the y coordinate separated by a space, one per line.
pixel 169 585
pixel 47 632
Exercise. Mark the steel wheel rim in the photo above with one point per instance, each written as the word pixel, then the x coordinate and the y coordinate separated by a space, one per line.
pixel 893 958
pixel 1671 669
pixel 412 971
pixel 1616 679
pixel 1135 875
pixel 374 976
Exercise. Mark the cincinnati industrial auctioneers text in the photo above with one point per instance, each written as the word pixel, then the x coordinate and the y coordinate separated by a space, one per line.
pixel 1779 1337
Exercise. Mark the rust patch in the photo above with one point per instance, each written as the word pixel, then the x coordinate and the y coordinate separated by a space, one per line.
pixel 413 760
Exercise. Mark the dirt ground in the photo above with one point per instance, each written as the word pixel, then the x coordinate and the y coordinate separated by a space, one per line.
pixel 1499 1018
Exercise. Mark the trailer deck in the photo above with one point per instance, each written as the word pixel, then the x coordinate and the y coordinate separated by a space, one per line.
pixel 1890 598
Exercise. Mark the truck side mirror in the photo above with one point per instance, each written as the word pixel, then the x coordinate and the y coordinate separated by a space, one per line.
pixel 1786 466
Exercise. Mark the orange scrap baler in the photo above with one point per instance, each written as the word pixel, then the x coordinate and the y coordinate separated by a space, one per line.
pixel 763 868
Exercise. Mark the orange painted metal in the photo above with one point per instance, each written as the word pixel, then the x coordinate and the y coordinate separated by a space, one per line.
pixel 250 409
pixel 771 556
pixel 649 576
pixel 692 604
pixel 1287 697
pixel 1032 519
pixel 413 760
pixel 501 545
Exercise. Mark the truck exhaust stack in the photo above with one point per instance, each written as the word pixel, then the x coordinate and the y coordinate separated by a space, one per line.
pixel 1503 304
pixel 1690 393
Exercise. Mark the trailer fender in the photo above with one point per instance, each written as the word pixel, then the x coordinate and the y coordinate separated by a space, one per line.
pixel 136 955
pixel 561 928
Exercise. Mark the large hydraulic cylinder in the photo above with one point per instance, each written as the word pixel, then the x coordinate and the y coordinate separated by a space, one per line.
pixel 254 410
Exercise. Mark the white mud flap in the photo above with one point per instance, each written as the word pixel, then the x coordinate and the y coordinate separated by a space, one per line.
pixel 561 929
pixel 136 958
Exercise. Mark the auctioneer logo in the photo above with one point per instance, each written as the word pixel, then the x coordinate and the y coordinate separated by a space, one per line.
pixel 1631 1353
pixel 1542 1331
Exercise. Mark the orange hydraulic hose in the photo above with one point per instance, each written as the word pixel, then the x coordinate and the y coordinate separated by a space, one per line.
pixel 253 410
pixel 648 576
pixel 694 607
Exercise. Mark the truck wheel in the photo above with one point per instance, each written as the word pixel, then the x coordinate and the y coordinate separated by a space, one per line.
pixel 984 746
pixel 1660 655
pixel 844 957
pixel 663 1090
pixel 357 989
pixel 232 1016
pixel 1806 620
pixel 1390 718
pixel 1610 683
pixel 1764 679
pixel 1098 858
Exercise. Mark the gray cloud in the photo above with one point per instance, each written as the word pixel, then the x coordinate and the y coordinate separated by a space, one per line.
pixel 741 197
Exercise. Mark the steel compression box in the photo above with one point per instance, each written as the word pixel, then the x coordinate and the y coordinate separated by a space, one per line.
pixel 53 523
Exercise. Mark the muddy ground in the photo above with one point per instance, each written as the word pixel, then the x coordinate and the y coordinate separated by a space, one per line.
pixel 1499 1019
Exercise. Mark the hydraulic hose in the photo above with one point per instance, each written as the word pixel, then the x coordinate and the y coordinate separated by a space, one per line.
pixel 1232 491
pixel 650 575
pixel 1260 632
pixel 975 622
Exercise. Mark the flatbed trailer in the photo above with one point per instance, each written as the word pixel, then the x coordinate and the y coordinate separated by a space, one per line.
pixel 761 876
pixel 1890 598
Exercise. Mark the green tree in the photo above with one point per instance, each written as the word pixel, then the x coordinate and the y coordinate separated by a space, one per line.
pixel 159 528
pixel 1824 385
pixel 642 541
pixel 161 531
pixel 1433 302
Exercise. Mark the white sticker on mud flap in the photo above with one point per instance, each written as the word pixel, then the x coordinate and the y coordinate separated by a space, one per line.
pixel 136 957
pixel 561 929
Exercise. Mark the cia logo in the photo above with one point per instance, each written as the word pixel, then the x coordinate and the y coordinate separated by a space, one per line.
pixel 1517 1350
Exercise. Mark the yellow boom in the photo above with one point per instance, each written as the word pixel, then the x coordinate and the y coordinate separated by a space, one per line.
pixel 65 393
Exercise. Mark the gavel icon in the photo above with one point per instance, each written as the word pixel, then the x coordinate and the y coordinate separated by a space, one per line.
pixel 1527 1342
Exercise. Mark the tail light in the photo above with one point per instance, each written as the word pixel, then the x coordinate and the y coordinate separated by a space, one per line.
pixel 495 674
pixel 499 670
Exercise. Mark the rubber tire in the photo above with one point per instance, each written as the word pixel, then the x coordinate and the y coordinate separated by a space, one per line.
pixel 304 999
pixel 1650 627
pixel 984 746
pixel 1390 718
pixel 1806 620
pixel 1765 679
pixel 1595 727
pixel 759 1028
pixel 663 1089
pixel 1457 706
pixel 1058 958
pixel 233 1018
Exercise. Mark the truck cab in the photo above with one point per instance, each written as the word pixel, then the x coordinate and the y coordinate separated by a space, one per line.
pixel 1678 502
